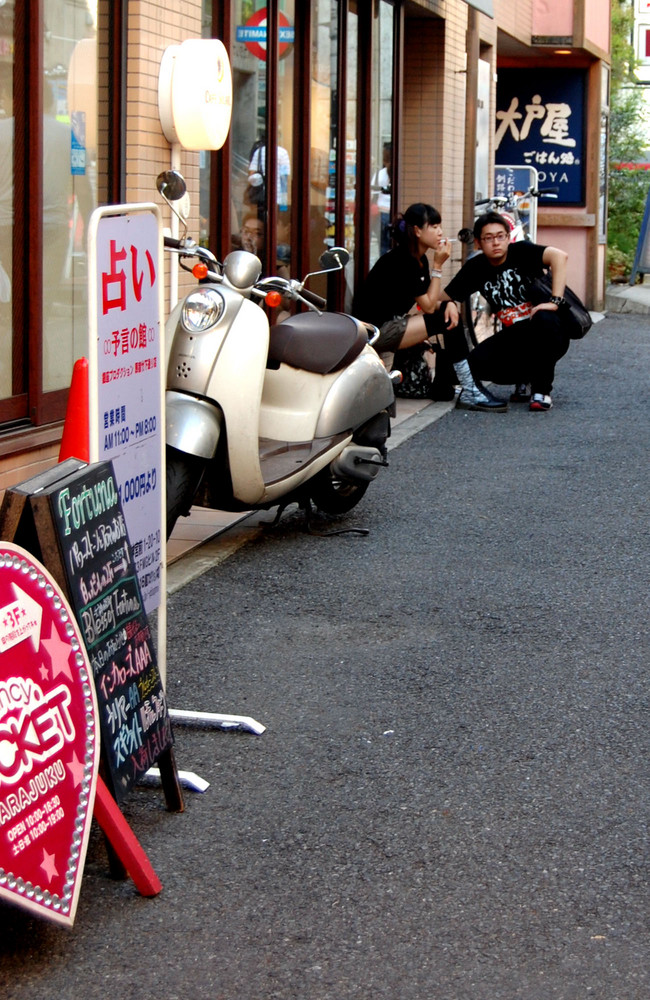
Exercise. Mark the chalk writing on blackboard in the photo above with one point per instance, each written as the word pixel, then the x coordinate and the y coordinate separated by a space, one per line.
pixel 105 594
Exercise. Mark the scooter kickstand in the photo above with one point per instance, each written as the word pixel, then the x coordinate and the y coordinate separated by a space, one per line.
pixel 306 507
pixel 276 520
pixel 326 534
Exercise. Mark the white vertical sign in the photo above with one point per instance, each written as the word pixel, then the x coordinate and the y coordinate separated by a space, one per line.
pixel 126 377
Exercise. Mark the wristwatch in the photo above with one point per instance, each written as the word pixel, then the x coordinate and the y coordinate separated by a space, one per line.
pixel 557 300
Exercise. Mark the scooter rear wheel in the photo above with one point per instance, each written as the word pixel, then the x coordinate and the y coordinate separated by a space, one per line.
pixel 333 495
pixel 184 475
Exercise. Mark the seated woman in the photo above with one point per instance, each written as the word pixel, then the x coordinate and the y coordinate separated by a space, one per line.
pixel 399 282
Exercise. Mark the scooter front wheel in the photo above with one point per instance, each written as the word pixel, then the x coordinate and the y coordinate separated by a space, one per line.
pixel 333 495
pixel 184 475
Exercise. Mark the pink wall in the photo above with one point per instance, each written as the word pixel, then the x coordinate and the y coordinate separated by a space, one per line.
pixel 574 242
pixel 597 22
pixel 553 17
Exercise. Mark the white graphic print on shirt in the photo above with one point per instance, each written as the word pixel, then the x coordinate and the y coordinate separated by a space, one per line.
pixel 508 295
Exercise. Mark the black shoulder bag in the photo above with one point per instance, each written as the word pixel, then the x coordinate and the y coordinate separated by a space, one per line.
pixel 579 322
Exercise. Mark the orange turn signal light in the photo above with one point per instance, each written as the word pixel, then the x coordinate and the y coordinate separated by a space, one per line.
pixel 200 271
pixel 273 299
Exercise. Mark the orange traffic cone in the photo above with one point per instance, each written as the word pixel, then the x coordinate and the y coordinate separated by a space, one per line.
pixel 75 442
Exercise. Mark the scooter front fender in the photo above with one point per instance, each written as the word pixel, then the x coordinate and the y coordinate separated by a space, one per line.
pixel 193 425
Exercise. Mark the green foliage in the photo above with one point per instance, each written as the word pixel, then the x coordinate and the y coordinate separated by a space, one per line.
pixel 622 48
pixel 628 130
pixel 628 190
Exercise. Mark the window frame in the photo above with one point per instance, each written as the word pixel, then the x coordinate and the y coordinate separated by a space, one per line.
pixel 32 406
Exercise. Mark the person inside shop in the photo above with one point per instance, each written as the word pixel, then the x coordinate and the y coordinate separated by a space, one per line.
pixel 401 295
pixel 251 234
pixel 380 186
pixel 255 193
pixel 532 337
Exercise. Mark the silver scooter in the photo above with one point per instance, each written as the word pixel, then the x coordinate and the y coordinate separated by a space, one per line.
pixel 261 415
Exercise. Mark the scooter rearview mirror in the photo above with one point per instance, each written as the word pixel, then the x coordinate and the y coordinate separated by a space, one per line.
pixel 334 259
pixel 172 187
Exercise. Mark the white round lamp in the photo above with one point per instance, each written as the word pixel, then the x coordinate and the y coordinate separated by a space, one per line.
pixel 195 94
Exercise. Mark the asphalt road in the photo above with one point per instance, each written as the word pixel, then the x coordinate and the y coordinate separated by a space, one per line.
pixel 450 801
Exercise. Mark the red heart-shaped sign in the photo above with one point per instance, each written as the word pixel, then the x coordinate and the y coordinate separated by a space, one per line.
pixel 49 741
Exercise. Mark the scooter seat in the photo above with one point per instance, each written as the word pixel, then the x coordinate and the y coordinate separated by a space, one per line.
pixel 317 343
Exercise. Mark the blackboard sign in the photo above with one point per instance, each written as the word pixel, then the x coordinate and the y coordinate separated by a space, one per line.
pixel 85 512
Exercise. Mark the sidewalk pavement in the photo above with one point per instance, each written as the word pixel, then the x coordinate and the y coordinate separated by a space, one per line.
pixel 628 299
pixel 208 537
pixel 450 799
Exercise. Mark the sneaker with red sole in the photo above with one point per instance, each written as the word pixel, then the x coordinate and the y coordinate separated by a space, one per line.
pixel 540 402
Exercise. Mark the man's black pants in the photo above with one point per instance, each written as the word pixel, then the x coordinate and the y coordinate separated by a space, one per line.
pixel 524 352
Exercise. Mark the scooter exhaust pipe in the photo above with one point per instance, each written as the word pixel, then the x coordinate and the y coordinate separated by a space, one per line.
pixel 357 462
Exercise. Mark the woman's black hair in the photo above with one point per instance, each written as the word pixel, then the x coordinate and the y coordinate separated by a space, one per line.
pixel 403 228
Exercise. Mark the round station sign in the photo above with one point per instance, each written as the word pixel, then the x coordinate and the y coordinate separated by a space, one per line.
pixel 253 34
pixel 49 741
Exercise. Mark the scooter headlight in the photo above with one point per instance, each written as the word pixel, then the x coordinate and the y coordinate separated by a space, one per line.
pixel 202 309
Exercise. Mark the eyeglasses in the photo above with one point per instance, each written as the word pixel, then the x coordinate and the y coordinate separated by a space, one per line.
pixel 494 238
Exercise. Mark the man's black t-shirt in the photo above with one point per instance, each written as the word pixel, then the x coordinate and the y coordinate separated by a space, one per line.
pixel 505 286
pixel 391 287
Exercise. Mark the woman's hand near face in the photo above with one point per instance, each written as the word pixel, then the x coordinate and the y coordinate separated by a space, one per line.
pixel 441 253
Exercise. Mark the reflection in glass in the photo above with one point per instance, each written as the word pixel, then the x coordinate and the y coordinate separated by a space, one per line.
pixel 248 123
pixel 323 165
pixel 7 359
pixel 351 143
pixel 69 171
pixel 381 114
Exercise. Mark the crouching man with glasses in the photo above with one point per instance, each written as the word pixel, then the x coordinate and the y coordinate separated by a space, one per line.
pixel 531 338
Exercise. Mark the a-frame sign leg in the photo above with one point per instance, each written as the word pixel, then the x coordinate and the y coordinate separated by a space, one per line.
pixel 124 842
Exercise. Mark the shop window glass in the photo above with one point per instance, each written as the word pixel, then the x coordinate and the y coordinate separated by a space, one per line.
pixel 351 114
pixel 285 154
pixel 381 115
pixel 248 58
pixel 323 153
pixel 251 186
pixel 11 367
pixel 69 185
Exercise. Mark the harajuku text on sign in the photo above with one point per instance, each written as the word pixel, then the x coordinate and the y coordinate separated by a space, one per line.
pixel 49 741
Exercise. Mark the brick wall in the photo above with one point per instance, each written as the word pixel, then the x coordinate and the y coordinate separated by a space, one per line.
pixel 516 18
pixel 433 137
pixel 153 25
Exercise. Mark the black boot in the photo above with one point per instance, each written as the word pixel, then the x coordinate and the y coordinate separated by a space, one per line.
pixel 474 396
pixel 443 387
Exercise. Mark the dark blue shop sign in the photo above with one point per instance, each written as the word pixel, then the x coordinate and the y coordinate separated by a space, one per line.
pixel 540 123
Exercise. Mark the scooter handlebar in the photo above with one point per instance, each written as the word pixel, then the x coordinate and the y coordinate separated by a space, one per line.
pixel 313 298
